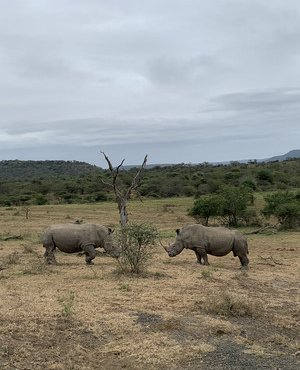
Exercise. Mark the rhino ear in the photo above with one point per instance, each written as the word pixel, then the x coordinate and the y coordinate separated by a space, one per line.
pixel 177 231
pixel 110 231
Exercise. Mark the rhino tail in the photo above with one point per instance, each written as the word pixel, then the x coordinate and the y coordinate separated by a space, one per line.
pixel 244 242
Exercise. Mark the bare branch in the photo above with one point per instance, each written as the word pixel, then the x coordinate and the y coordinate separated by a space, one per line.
pixel 110 166
pixel 120 165
pixel 274 229
pixel 115 173
pixel 269 260
pixel 137 178
pixel 105 183
pixel 123 196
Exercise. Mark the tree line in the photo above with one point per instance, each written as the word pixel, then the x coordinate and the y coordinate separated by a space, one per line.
pixel 77 182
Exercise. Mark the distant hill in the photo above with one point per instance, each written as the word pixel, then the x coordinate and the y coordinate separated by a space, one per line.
pixel 291 154
pixel 24 170
pixel 16 169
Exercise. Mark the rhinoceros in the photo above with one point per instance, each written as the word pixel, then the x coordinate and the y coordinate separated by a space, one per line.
pixel 72 238
pixel 216 241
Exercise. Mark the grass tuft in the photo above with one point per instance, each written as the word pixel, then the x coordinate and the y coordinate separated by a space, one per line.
pixel 207 274
pixel 13 258
pixel 67 303
pixel 228 304
pixel 125 287
pixel 35 268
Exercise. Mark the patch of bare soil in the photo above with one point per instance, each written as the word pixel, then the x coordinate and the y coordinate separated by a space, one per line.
pixel 57 344
pixel 232 356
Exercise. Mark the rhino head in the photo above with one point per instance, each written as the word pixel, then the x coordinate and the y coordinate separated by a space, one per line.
pixel 110 246
pixel 175 248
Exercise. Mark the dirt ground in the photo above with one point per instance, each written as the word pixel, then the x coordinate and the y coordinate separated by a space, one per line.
pixel 177 315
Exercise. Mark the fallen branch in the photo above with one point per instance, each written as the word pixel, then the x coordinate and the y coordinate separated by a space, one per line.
pixel 262 229
pixel 270 261
pixel 11 237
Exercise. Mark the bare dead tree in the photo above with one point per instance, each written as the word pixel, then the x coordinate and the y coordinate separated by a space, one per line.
pixel 123 194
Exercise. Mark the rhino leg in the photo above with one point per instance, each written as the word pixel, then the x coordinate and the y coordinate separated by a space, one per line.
pixel 197 255
pixel 201 256
pixel 244 261
pixel 49 254
pixel 90 253
pixel 199 259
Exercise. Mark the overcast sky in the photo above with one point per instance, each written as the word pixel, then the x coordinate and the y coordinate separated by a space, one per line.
pixel 179 80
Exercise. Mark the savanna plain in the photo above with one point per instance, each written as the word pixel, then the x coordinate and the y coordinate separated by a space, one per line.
pixel 175 315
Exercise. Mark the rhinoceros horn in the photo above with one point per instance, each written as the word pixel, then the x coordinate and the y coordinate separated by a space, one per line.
pixel 165 248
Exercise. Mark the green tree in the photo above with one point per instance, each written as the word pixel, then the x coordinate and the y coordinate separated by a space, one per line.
pixel 235 203
pixel 265 176
pixel 205 207
pixel 285 206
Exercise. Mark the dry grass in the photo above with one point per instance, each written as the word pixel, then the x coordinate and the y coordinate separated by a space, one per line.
pixel 72 316
pixel 231 304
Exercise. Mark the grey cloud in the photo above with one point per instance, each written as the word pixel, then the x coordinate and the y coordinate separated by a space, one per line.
pixel 265 100
pixel 174 71
pixel 151 74
pixel 109 131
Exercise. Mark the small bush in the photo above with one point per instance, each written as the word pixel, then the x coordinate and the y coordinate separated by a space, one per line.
pixel 125 287
pixel 136 241
pixel 207 274
pixel 67 303
pixel 227 304
pixel 265 176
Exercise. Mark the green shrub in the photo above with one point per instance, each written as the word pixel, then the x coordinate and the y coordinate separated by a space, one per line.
pixel 285 206
pixel 265 176
pixel 41 199
pixel 67 302
pixel 136 241
pixel 205 207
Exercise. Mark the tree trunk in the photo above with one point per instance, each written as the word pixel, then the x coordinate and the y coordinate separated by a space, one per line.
pixel 122 206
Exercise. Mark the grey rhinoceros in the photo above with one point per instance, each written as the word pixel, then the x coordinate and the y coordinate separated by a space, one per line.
pixel 72 238
pixel 216 241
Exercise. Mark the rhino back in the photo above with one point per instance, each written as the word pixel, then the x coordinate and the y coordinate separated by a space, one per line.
pixel 71 237
pixel 217 241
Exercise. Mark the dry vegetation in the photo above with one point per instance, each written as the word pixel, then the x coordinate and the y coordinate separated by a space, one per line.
pixel 178 315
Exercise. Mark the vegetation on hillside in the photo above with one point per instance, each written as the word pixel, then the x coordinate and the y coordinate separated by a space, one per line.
pixel 24 170
pixel 59 182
